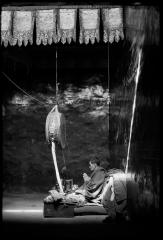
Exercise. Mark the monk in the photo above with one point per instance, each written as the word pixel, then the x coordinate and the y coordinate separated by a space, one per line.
pixel 93 184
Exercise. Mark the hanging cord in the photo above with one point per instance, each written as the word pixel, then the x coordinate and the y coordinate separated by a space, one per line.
pixel 64 158
pixel 108 68
pixel 40 103
pixel 56 81
pixel 35 100
pixel 66 140
pixel 133 107
pixel 56 78
pixel 108 85
pixel 23 90
pixel 108 100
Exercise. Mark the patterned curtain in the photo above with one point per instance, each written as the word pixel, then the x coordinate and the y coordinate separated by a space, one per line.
pixel 46 26
pixel 66 25
pixel 113 24
pixel 6 18
pixel 23 23
pixel 89 25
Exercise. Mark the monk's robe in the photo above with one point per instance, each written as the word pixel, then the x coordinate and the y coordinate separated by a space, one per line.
pixel 94 186
pixel 117 205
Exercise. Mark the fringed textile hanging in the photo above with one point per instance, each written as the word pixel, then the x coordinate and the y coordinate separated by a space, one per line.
pixel 46 27
pixel 89 25
pixel 23 23
pixel 113 24
pixel 153 26
pixel 135 23
pixel 142 24
pixel 6 18
pixel 66 25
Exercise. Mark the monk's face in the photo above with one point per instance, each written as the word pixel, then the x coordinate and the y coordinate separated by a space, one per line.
pixel 92 166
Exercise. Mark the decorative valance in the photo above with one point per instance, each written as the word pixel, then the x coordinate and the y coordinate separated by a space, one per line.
pixel 46 27
pixel 6 18
pixel 113 24
pixel 89 25
pixel 23 23
pixel 59 24
pixel 66 25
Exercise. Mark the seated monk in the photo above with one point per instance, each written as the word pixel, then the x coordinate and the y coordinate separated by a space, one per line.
pixel 114 196
pixel 93 184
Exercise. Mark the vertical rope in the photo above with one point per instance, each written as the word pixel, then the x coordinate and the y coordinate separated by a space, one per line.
pixel 108 100
pixel 108 83
pixel 56 80
pixel 63 158
pixel 133 108
pixel 57 96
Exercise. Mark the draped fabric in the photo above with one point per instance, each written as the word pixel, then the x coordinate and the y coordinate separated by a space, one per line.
pixel 94 186
pixel 135 23
pixel 46 27
pixel 153 26
pixel 23 23
pixel 142 23
pixel 113 24
pixel 66 25
pixel 89 25
pixel 6 18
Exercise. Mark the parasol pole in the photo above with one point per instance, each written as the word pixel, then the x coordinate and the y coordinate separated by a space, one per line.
pixel 53 144
pixel 56 167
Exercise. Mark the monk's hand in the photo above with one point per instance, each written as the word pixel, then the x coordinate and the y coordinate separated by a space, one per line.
pixel 80 192
pixel 86 177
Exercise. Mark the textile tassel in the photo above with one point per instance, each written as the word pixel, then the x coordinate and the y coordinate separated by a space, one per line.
pixel 23 24
pixel 46 27
pixel 6 18
pixel 56 167
pixel 89 25
pixel 113 24
pixel 66 25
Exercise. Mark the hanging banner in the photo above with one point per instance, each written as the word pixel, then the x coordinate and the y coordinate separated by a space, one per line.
pixel 6 18
pixel 66 25
pixel 135 23
pixel 23 23
pixel 46 26
pixel 89 25
pixel 113 24
pixel 142 24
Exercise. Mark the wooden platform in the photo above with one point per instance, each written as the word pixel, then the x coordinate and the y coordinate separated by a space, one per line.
pixel 58 210
pixel 51 210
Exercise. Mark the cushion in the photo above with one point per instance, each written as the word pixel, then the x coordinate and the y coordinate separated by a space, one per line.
pixel 89 210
